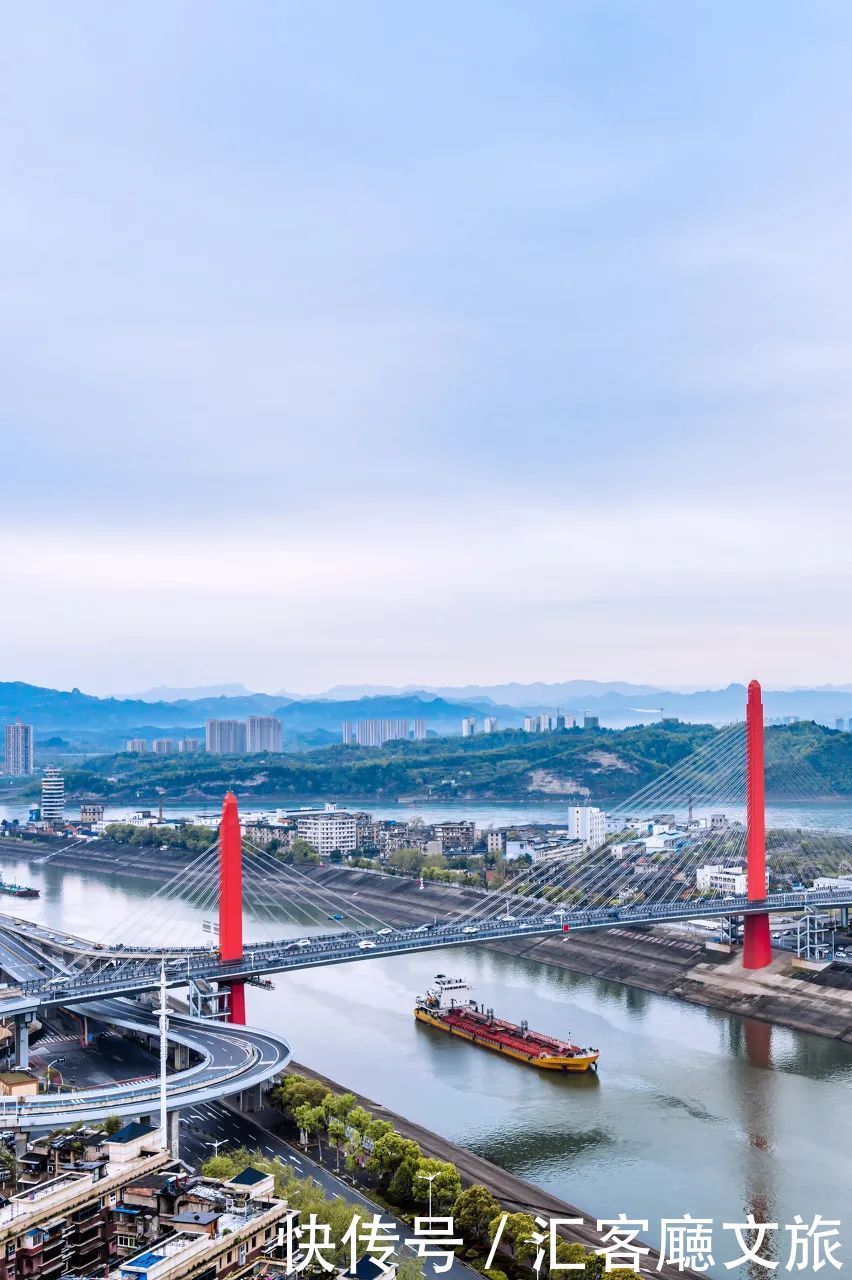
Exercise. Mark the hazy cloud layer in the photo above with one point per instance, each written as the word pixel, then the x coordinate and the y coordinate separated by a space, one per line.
pixel 470 342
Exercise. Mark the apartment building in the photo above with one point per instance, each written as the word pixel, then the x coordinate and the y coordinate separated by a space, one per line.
pixel 163 746
pixel 329 831
pixel 455 835
pixel 52 797
pixel 19 749
pixel 225 737
pixel 137 745
pixel 264 733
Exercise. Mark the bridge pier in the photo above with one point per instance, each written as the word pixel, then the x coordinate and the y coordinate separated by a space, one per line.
pixel 844 917
pixel 22 1040
pixel 173 1133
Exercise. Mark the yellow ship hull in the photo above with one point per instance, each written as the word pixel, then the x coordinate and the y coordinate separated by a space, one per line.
pixel 579 1062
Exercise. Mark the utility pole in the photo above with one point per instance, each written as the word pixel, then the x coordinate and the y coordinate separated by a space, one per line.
pixel 164 1056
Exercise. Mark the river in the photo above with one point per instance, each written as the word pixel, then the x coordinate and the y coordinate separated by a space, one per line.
pixel 692 1111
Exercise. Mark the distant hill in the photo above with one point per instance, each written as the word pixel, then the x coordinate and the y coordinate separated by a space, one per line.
pixel 165 693
pixel 92 723
pixel 104 723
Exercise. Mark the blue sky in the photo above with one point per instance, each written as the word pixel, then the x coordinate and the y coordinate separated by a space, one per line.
pixel 451 342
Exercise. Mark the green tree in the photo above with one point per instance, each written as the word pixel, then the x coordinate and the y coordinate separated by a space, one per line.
pixel 389 1152
pixel 401 1186
pixel 474 1208
pixel 444 1180
pixel 111 1125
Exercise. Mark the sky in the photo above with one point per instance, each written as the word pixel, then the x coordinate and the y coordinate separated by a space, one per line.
pixel 445 343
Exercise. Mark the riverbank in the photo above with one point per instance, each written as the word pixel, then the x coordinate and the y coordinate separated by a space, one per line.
pixel 515 1194
pixel 658 960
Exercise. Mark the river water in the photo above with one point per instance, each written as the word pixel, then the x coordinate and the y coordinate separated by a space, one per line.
pixel 692 1111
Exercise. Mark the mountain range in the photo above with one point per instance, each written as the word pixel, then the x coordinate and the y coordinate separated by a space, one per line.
pixel 88 722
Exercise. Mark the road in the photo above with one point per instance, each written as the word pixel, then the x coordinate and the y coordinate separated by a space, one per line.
pixel 214 1123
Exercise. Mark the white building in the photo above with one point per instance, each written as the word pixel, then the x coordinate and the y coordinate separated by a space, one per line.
pixel 226 737
pixel 468 726
pixel 419 732
pixel 489 724
pixel 163 746
pixel 19 749
pixel 717 878
pixel 264 733
pixel 531 724
pixel 52 795
pixel 496 841
pixel 329 831
pixel 136 745
pixel 588 825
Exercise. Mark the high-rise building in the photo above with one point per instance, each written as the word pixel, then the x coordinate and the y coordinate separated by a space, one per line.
pixel 19 749
pixel 588 824
pixel 136 744
pixel 52 795
pixel 531 724
pixel 187 745
pixel 163 746
pixel 419 730
pixel 264 733
pixel 591 722
pixel 838 724
pixel 468 726
pixel 374 733
pixel 226 737
pixel 348 733
pixel 489 724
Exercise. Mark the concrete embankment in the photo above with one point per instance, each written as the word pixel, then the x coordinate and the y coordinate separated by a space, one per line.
pixel 659 960
pixel 514 1193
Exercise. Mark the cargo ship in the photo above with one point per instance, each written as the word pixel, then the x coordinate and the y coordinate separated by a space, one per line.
pixel 18 890
pixel 475 1023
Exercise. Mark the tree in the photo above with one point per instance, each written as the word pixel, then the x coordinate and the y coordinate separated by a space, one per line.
pixel 338 1105
pixel 405 859
pixel 444 1180
pixel 473 1210
pixel 401 1186
pixel 311 1122
pixel 295 1090
pixel 389 1152
pixel 301 851
pixel 337 1136
pixel 111 1125
pixel 517 1233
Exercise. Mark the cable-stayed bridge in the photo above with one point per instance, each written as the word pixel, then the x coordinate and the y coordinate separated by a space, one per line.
pixel 659 864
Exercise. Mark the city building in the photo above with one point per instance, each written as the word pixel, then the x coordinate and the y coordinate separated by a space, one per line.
pixel 496 841
pixel 329 831
pixel 163 746
pixel 374 733
pixel 489 724
pixel 52 795
pixel 226 737
pixel 419 733
pixel 731 881
pixel 348 733
pixel 91 811
pixel 591 722
pixel 468 726
pixel 187 745
pixel 454 835
pixel 531 724
pixel 264 733
pixel 19 749
pixel 136 745
pixel 588 825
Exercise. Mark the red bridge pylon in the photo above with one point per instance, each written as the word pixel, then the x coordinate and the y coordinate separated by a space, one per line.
pixel 757 944
pixel 231 900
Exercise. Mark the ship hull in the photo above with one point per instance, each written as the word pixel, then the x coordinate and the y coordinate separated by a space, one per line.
pixel 576 1062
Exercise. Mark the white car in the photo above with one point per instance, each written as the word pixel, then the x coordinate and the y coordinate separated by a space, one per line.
pixel 365 945
pixel 506 919
pixel 384 933
pixel 303 942
pixel 423 928
pixel 471 928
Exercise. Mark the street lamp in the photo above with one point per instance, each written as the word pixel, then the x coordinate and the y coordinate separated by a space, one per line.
pixel 430 1178
pixel 216 1144
pixel 56 1062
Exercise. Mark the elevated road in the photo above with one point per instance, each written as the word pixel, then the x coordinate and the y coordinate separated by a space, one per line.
pixel 138 971
pixel 229 1060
